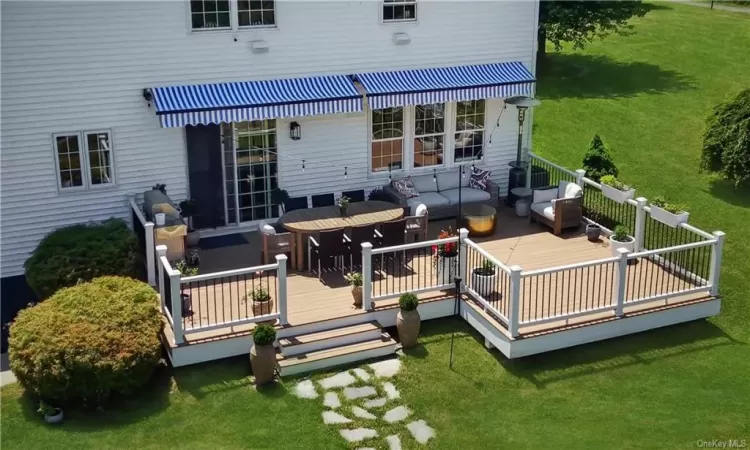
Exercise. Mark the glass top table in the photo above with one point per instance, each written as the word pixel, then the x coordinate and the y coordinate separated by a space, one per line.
pixel 479 219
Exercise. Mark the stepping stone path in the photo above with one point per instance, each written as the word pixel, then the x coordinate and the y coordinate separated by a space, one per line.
pixel 358 387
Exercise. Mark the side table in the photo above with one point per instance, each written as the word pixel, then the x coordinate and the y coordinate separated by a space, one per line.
pixel 523 204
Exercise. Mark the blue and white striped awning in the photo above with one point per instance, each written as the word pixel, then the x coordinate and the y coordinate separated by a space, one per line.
pixel 178 106
pixel 446 84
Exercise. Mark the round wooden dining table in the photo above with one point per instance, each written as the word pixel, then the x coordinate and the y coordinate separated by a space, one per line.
pixel 304 222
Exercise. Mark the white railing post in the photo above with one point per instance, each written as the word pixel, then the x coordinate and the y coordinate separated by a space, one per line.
pixel 640 223
pixel 150 260
pixel 367 276
pixel 174 280
pixel 515 300
pixel 161 251
pixel 282 294
pixel 463 254
pixel 718 247
pixel 580 173
pixel 618 290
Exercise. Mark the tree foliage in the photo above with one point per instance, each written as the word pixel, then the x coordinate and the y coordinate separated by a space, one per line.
pixel 726 139
pixel 579 22
pixel 597 162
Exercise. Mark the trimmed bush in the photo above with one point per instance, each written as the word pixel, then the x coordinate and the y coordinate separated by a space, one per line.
pixel 264 334
pixel 88 342
pixel 726 139
pixel 81 253
pixel 408 302
pixel 597 162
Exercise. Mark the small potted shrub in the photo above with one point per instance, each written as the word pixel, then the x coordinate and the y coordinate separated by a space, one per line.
pixel 342 203
pixel 187 271
pixel 445 258
pixel 263 354
pixel 355 281
pixel 593 229
pixel 668 213
pixel 262 302
pixel 408 321
pixel 621 239
pixel 188 208
pixel 51 414
pixel 615 189
pixel 483 279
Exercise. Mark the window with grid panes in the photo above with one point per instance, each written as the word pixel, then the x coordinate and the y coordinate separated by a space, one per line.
pixel 252 13
pixel 429 135
pixel 387 150
pixel 399 10
pixel 210 14
pixel 469 135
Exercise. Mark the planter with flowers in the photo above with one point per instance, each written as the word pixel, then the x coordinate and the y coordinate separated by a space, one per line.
pixel 355 281
pixel 445 258
pixel 615 189
pixel 262 303
pixel 343 204
pixel 668 213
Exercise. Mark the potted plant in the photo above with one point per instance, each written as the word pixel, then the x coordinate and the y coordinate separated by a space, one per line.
pixel 621 239
pixel 160 187
pixel 186 271
pixel 188 208
pixel 408 321
pixel 50 413
pixel 593 229
pixel 615 189
pixel 262 303
pixel 355 281
pixel 668 213
pixel 483 279
pixel 263 354
pixel 343 203
pixel 445 257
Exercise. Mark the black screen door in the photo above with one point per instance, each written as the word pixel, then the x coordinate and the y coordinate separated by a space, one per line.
pixel 205 174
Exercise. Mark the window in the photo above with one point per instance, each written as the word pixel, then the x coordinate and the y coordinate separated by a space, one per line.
pixel 256 13
pixel 429 135
pixel 387 139
pixel 84 160
pixel 210 14
pixel 399 10
pixel 255 163
pixel 469 136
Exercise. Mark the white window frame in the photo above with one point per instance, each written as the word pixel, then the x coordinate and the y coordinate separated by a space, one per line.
pixel 416 136
pixel 383 4
pixel 234 20
pixel 455 131
pixel 405 163
pixel 83 149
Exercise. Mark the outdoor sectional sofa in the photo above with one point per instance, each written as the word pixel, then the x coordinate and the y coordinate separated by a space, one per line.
pixel 440 194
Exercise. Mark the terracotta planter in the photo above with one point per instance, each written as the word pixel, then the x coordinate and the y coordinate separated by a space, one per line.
pixel 262 309
pixel 666 217
pixel 263 363
pixel 357 296
pixel 447 269
pixel 56 417
pixel 408 324
pixel 616 194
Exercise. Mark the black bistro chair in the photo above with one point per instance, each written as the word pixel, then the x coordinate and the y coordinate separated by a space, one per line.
pixel 322 200
pixel 355 196
pixel 327 251
pixel 392 233
pixel 358 235
pixel 294 203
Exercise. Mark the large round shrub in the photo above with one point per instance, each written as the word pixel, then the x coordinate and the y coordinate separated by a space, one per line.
pixel 726 139
pixel 88 341
pixel 83 252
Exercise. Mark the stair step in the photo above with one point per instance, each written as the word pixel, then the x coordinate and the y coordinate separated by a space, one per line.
pixel 305 343
pixel 330 357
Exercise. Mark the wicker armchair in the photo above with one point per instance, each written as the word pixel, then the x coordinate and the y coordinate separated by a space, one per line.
pixel 558 207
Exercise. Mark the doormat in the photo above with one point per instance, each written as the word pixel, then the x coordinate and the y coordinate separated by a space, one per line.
pixel 222 241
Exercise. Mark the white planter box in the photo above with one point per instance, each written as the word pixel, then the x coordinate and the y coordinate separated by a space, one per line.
pixel 447 270
pixel 664 216
pixel 616 194
pixel 484 285
pixel 614 245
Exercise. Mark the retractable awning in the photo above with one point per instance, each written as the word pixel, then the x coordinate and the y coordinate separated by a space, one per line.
pixel 178 106
pixel 445 84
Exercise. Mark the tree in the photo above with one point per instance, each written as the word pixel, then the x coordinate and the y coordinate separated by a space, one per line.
pixel 579 22
pixel 597 162
pixel 726 139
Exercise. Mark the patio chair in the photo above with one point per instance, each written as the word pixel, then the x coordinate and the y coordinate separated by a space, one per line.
pixel 417 224
pixel 322 200
pixel 327 250
pixel 355 196
pixel 294 203
pixel 274 243
pixel 391 233
pixel 559 207
pixel 364 233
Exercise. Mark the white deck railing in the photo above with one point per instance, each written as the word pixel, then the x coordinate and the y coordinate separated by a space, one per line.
pixel 493 292
pixel 144 229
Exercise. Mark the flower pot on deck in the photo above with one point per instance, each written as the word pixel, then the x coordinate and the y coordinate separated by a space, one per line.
pixel 593 232
pixel 447 269
pixel 357 296
pixel 55 417
pixel 628 245
pixel 263 363
pixel 263 308
pixel 408 324
pixel 666 217
pixel 483 285
pixel 616 194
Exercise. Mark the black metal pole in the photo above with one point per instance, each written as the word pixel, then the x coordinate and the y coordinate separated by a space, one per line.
pixel 457 279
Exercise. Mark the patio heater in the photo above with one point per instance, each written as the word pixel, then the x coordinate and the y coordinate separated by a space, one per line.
pixel 517 173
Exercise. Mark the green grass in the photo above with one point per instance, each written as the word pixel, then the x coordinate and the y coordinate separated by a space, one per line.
pixel 647 95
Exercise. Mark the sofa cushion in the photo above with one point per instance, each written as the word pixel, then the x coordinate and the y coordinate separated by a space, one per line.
pixel 429 199
pixel 546 209
pixel 468 195
pixel 448 180
pixel 424 183
pixel 479 178
pixel 406 187
pixel 544 195
pixel 569 190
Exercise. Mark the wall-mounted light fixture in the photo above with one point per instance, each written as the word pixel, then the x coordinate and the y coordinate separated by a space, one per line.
pixel 295 131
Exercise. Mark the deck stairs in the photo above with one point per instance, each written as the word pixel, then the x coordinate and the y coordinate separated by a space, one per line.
pixel 332 347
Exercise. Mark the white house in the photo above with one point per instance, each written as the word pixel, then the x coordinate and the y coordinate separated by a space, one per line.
pixel 102 99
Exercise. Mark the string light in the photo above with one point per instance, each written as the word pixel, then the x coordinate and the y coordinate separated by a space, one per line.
pixel 390 178
pixel 345 172
pixel 303 166
pixel 434 175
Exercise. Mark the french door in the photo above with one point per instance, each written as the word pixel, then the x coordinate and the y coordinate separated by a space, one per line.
pixel 250 171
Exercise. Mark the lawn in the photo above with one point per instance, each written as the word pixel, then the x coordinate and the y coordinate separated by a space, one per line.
pixel 647 95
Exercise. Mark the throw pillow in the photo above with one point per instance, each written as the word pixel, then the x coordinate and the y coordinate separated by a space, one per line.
pixel 479 179
pixel 406 187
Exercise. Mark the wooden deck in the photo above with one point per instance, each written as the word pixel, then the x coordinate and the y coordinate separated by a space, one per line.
pixel 516 242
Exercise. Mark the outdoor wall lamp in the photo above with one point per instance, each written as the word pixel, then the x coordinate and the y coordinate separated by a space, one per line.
pixel 295 131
